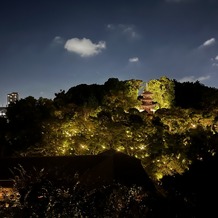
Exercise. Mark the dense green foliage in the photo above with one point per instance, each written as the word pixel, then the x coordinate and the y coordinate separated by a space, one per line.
pixel 88 119
pixel 163 92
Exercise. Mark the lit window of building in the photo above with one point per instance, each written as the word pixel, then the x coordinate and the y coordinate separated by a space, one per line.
pixel 12 97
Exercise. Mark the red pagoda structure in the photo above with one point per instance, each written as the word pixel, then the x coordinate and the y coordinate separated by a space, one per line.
pixel 147 102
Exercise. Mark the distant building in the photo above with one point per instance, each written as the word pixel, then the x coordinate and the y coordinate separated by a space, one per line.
pixel 3 111
pixel 12 97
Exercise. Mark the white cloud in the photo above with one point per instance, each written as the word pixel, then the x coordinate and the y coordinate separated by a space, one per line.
pixel 194 79
pixel 203 78
pixel 215 64
pixel 214 61
pixel 134 59
pixel 209 42
pixel 110 26
pixel 187 79
pixel 84 47
pixel 58 40
pixel 127 30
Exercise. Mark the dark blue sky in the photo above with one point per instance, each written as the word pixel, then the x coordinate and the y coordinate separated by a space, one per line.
pixel 52 45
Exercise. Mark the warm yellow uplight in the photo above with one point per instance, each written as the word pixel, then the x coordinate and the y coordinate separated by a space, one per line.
pixel 193 125
pixel 159 176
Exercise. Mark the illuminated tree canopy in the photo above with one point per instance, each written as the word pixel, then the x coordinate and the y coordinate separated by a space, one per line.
pixel 163 91
pixel 88 119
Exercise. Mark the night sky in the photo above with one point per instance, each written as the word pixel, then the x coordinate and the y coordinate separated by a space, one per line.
pixel 52 45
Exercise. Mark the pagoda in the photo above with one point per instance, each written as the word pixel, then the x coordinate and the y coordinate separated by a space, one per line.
pixel 147 102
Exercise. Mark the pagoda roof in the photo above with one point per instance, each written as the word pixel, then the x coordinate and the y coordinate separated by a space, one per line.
pixel 147 93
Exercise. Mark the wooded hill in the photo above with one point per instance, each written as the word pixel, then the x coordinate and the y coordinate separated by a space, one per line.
pixel 88 119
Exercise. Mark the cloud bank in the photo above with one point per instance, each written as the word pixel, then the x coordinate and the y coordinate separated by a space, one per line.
pixel 84 47
pixel 194 79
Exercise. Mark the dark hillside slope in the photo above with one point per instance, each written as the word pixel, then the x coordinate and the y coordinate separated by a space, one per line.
pixel 195 95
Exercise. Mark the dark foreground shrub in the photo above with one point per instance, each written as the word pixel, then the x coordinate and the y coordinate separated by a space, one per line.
pixel 41 196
